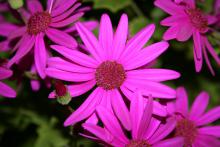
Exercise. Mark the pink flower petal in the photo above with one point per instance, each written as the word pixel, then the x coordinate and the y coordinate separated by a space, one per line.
pixel 163 131
pixel 93 119
pixel 7 91
pixel 5 73
pixel 199 105
pixel 106 35
pixel 185 32
pixel 111 123
pixel 206 141
pixel 24 48
pixel 121 110
pixel 67 21
pixel 182 101
pixel 145 119
pixel 59 63
pixel 211 19
pixel 86 109
pixel 169 6
pixel 17 33
pixel 152 127
pixel 136 43
pixel 34 6
pixel 151 88
pixel 76 56
pixel 210 130
pixel 120 37
pixel 90 42
pixel 171 33
pixel 197 51
pixel 90 25
pixel 35 85
pixel 61 38
pixel 172 20
pixel 61 8
pixel 40 55
pixel 156 75
pixel 7 28
pixel 209 117
pixel 177 142
pixel 69 76
pixel 146 55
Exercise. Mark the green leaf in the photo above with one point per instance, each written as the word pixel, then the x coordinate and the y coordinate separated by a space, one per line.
pixel 112 5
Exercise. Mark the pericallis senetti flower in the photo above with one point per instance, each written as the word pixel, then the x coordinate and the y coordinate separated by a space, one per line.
pixel 187 20
pixel 52 23
pixel 5 90
pixel 146 131
pixel 194 125
pixel 114 66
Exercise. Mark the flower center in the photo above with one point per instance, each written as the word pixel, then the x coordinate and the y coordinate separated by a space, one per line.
pixel 198 19
pixel 110 75
pixel 187 129
pixel 38 22
pixel 138 143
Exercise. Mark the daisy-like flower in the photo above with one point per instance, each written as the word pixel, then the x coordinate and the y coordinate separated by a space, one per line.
pixel 187 20
pixel 40 23
pixel 113 66
pixel 194 125
pixel 146 130
pixel 5 90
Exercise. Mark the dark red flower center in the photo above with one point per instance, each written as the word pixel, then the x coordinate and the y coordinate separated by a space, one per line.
pixel 138 143
pixel 60 89
pixel 188 130
pixel 38 22
pixel 110 75
pixel 198 19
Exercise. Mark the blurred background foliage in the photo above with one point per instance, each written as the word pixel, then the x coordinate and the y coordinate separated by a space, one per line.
pixel 33 120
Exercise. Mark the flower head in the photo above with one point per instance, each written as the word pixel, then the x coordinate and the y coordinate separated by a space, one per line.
pixel 113 65
pixel 192 125
pixel 5 90
pixel 187 21
pixel 53 23
pixel 146 130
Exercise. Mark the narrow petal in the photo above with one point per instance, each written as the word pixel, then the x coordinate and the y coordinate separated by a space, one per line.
pixel 177 142
pixel 7 28
pixel 106 35
pixel 93 119
pixel 171 33
pixel 208 63
pixel 172 20
pixel 77 90
pixel 169 6
pixel 17 33
pixel 163 131
pixel 185 32
pixel 199 106
pixel 111 123
pixel 121 110
pixel 120 37
pixel 5 73
pixel 40 55
pixel 182 101
pixel 209 117
pixel 146 55
pixel 90 42
pixel 7 91
pixel 207 141
pixel 61 38
pixel 59 63
pixel 197 51
pixel 34 6
pixel 136 43
pixel 67 21
pixel 151 88
pixel 212 130
pixel 24 48
pixel 35 85
pixel 76 56
pixel 146 117
pixel 156 75
pixel 86 109
pixel 90 25
pixel 62 7
pixel 211 19
pixel 69 76
pixel 153 126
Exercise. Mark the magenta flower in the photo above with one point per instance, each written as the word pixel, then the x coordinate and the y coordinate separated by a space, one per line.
pixel 194 125
pixel 146 131
pixel 114 66
pixel 185 21
pixel 5 90
pixel 50 22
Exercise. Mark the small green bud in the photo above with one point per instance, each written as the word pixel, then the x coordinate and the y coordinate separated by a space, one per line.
pixel 16 4
pixel 62 93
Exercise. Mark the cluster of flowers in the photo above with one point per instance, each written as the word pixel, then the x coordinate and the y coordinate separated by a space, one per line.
pixel 122 109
